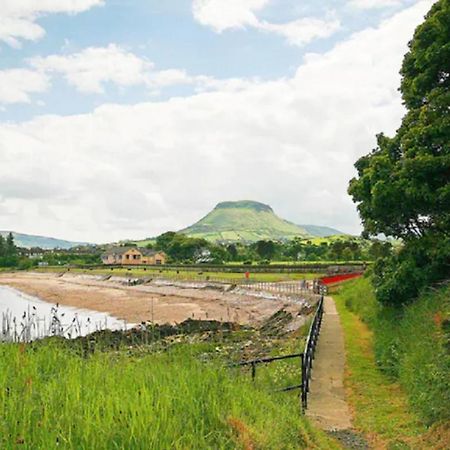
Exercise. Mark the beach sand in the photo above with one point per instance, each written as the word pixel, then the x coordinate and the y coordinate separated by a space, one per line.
pixel 147 302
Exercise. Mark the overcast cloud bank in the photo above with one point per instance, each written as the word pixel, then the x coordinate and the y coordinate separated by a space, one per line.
pixel 138 170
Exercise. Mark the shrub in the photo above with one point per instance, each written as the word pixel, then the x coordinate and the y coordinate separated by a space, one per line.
pixel 399 279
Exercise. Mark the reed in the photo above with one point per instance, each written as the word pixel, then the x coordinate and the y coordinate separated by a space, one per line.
pixel 29 326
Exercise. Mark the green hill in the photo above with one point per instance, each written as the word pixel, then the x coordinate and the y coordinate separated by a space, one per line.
pixel 321 231
pixel 47 243
pixel 249 221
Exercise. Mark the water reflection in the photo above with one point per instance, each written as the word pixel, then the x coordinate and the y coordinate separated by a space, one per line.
pixel 24 318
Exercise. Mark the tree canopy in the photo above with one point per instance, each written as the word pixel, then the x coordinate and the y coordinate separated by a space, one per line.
pixel 403 185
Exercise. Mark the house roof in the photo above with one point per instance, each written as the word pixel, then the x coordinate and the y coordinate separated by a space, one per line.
pixel 149 252
pixel 122 250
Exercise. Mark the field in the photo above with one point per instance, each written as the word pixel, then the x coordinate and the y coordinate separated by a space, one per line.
pixel 189 275
pixel 181 395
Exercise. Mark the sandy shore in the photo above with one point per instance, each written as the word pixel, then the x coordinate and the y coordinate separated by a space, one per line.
pixel 163 304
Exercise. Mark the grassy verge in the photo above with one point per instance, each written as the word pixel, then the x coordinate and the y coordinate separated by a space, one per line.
pixel 50 397
pixel 398 367
pixel 190 275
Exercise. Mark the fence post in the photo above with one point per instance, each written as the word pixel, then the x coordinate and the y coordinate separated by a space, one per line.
pixel 302 384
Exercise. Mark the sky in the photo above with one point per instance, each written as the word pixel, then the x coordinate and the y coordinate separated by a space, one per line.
pixel 126 118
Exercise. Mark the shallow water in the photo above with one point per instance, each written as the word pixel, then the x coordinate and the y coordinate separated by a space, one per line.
pixel 24 318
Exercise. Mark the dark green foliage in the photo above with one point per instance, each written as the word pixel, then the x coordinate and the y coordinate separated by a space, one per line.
pixel 61 257
pixel 8 251
pixel 380 249
pixel 164 240
pixel 427 66
pixel 403 186
pixel 265 249
pixel 421 262
pixel 345 250
pixel 180 247
pixel 232 250
pixel 10 247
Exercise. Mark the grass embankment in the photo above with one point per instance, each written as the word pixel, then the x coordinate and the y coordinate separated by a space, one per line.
pixel 398 366
pixel 50 397
pixel 186 275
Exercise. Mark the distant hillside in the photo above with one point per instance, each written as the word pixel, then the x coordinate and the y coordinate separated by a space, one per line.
pixel 250 221
pixel 319 231
pixel 29 240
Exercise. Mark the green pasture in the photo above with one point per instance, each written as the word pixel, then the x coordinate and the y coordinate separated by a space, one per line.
pixel 185 275
pixel 51 397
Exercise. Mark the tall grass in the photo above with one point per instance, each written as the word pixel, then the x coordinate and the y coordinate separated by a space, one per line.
pixel 411 344
pixel 52 398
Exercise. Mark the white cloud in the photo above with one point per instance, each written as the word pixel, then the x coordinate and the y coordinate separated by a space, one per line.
pixel 91 68
pixel 18 17
pixel 225 14
pixel 302 31
pixel 374 4
pixel 221 15
pixel 135 171
pixel 17 84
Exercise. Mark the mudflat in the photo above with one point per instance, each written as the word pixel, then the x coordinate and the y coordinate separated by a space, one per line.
pixel 147 302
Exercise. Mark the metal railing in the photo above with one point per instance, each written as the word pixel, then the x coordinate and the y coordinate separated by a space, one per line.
pixel 309 352
pixel 306 358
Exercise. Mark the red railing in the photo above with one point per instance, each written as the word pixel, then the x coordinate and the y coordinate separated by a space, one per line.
pixel 338 278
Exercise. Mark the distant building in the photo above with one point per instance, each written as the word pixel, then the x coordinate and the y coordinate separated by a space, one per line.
pixel 203 256
pixel 133 255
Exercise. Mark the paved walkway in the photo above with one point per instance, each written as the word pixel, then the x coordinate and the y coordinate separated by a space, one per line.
pixel 327 406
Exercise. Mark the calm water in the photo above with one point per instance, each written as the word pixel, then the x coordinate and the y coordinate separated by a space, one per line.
pixel 24 318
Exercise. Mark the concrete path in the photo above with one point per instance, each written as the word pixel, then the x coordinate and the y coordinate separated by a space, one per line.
pixel 327 406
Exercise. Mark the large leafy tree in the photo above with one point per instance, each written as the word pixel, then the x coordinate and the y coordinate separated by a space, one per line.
pixel 403 186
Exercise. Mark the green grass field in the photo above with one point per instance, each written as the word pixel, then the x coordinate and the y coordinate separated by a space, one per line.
pixel 51 397
pixel 189 275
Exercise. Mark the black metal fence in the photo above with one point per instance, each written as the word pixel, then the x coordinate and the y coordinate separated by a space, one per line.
pixel 319 267
pixel 306 358
pixel 309 352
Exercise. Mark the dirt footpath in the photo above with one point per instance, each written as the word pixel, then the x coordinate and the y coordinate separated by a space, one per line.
pixel 151 301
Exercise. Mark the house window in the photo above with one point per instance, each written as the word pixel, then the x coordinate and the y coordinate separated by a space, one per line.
pixel 158 262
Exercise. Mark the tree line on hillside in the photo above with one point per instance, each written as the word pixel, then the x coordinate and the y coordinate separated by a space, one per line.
pixel 86 256
pixel 403 185
pixel 182 248
pixel 13 256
